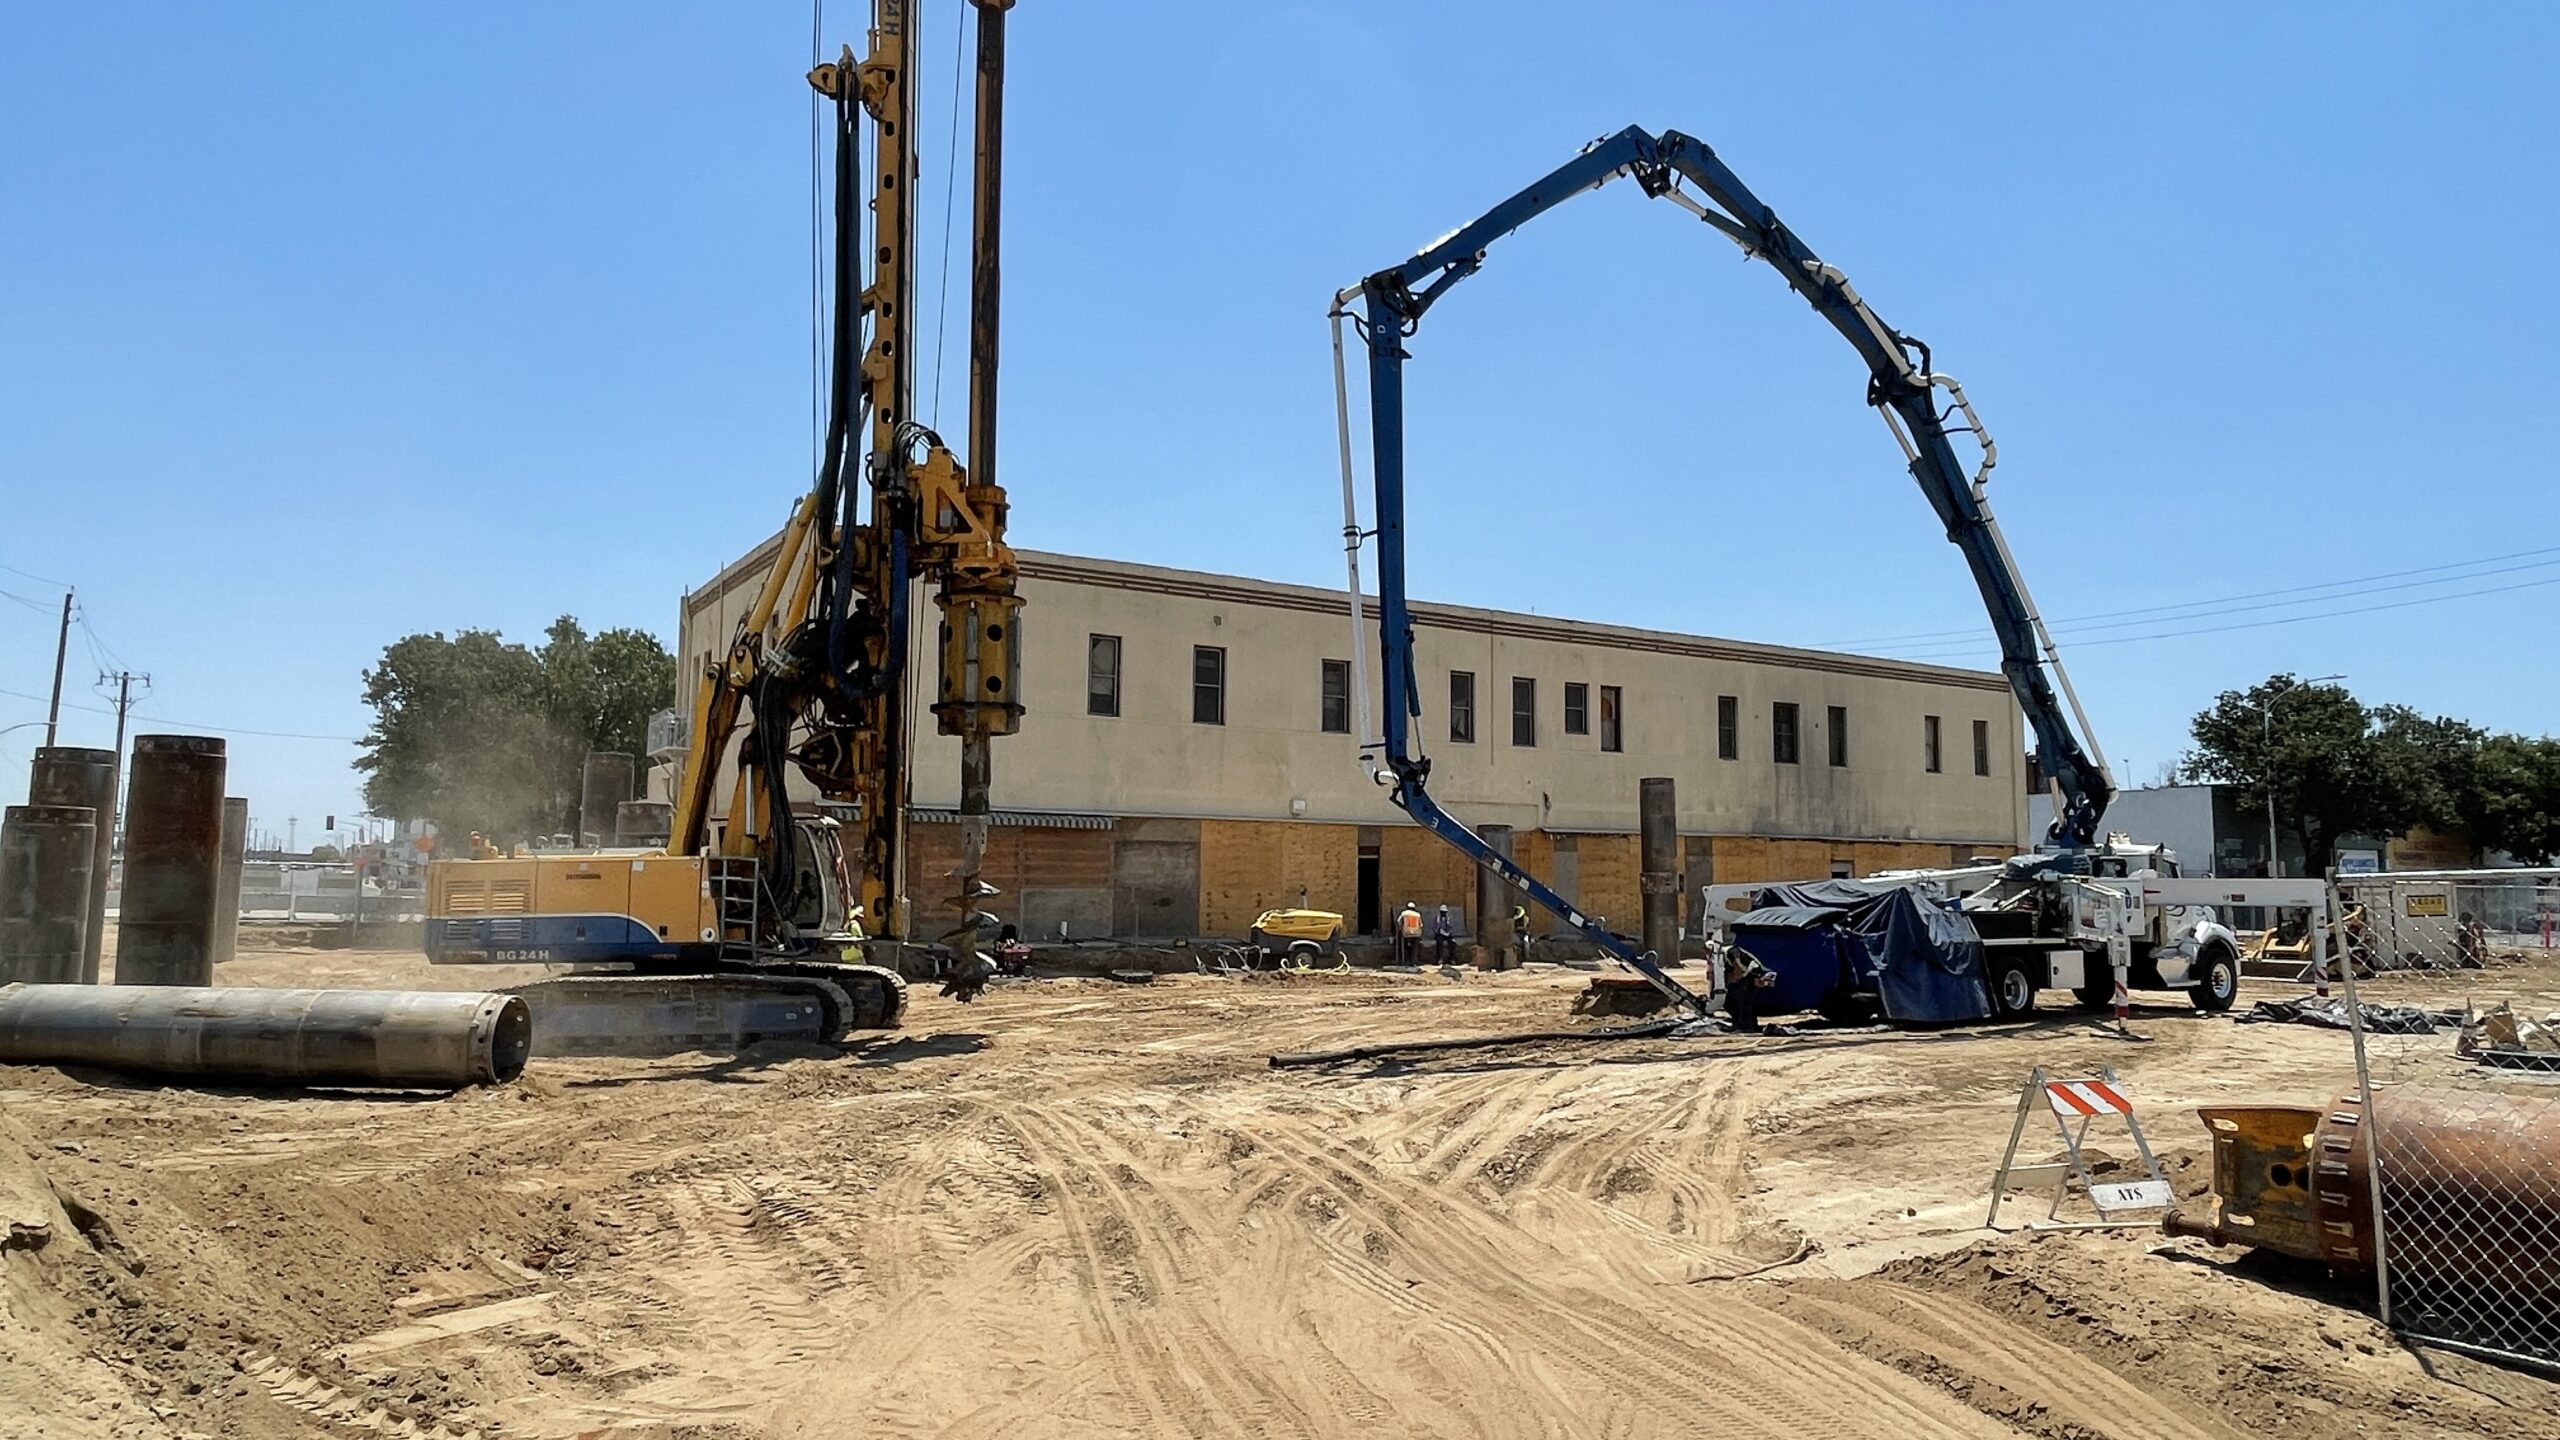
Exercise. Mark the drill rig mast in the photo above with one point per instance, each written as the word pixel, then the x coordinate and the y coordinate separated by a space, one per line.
pixel 816 679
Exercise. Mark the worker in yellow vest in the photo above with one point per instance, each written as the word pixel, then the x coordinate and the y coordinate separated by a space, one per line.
pixel 1409 935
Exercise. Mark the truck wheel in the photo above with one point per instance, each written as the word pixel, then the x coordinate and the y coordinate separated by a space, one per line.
pixel 2217 980
pixel 2013 990
pixel 2098 994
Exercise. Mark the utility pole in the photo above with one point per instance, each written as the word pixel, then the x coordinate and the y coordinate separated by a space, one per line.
pixel 61 648
pixel 124 700
pixel 124 705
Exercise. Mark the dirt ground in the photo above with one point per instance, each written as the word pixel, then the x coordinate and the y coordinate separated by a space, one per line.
pixel 1077 1208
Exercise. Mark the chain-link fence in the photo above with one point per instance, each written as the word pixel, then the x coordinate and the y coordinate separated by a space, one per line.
pixel 2448 919
pixel 2465 1130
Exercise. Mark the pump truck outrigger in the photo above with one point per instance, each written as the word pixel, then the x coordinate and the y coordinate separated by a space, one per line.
pixel 744 929
pixel 1903 385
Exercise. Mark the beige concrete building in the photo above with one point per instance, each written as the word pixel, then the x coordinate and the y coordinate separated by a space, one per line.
pixel 1187 758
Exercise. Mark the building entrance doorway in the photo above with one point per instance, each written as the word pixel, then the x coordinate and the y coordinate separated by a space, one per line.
pixel 1371 912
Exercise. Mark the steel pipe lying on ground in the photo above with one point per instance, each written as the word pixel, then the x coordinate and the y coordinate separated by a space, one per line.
pixel 409 1039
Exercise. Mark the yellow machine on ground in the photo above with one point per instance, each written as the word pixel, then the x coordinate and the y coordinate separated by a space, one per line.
pixel 744 928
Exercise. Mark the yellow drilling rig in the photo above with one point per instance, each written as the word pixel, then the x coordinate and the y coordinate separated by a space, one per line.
pixel 744 927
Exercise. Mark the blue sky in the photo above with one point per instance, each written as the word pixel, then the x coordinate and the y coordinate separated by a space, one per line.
pixel 324 324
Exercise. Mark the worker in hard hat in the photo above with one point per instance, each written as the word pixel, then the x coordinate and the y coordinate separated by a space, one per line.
pixel 1444 938
pixel 1409 935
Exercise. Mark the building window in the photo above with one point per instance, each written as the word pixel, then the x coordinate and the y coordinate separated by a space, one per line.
pixel 1981 747
pixel 1839 723
pixel 1337 697
pixel 1842 869
pixel 1524 710
pixel 1102 675
pixel 1728 728
pixel 1577 708
pixel 1783 733
pixel 1208 685
pixel 1462 706
pixel 1929 756
pixel 1612 736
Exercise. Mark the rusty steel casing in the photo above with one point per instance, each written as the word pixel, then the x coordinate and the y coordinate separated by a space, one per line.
pixel 80 776
pixel 45 855
pixel 1658 864
pixel 2471 1190
pixel 226 879
pixel 1493 900
pixel 172 861
pixel 409 1039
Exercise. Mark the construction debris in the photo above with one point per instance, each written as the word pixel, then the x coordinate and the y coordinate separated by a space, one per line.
pixel 2332 1013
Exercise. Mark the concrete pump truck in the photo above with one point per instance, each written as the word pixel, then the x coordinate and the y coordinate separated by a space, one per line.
pixel 2086 912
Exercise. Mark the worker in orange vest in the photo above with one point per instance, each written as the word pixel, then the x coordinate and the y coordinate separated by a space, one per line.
pixel 1409 935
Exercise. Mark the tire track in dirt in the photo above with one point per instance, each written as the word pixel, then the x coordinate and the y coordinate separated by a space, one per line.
pixel 1313 1217
pixel 1729 1374
pixel 721 1310
pixel 1104 1281
pixel 1197 1343
pixel 1343 1403
pixel 1931 1335
pixel 1472 1278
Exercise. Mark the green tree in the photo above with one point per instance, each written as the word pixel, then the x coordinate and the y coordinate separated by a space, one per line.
pixel 2513 802
pixel 2336 768
pixel 476 733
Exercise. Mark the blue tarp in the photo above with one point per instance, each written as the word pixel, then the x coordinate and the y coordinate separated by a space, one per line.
pixel 1924 961
pixel 1809 953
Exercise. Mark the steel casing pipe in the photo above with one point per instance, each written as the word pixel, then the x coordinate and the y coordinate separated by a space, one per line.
pixel 78 775
pixel 415 1039
pixel 45 854
pixel 172 861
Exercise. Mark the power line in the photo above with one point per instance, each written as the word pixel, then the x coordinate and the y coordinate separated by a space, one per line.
pixel 2083 629
pixel 99 649
pixel 2307 594
pixel 39 579
pixel 2066 640
pixel 196 726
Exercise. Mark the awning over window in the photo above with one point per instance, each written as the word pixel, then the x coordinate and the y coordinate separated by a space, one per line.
pixel 1031 819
